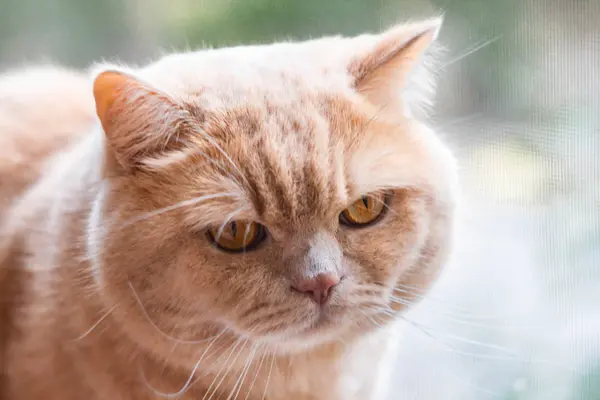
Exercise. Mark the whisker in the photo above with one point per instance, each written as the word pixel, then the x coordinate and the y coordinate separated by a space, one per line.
pixel 269 375
pixel 259 366
pixel 222 227
pixel 464 311
pixel 375 322
pixel 166 335
pixel 459 120
pixel 165 363
pixel 246 233
pixel 516 357
pixel 391 313
pixel 470 384
pixel 456 319
pixel 369 318
pixel 102 318
pixel 510 355
pixel 240 382
pixel 465 318
pixel 468 52
pixel 176 206
pixel 455 310
pixel 238 342
pixel 417 289
pixel 387 207
pixel 187 384
pixel 219 166
pixel 224 153
pixel 464 340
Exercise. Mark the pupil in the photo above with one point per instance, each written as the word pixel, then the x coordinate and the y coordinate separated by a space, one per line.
pixel 234 228
pixel 365 202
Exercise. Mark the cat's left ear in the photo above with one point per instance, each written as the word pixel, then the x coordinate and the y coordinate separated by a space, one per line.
pixel 392 70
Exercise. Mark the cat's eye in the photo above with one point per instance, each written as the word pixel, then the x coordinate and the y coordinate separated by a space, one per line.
pixel 364 211
pixel 237 236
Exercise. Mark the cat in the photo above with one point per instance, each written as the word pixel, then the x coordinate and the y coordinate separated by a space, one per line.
pixel 225 223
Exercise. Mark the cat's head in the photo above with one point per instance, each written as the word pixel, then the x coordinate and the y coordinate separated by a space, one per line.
pixel 285 193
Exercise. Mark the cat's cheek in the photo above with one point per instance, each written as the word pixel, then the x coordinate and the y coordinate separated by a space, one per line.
pixel 378 261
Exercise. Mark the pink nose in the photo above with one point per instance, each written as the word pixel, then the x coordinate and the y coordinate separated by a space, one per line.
pixel 318 287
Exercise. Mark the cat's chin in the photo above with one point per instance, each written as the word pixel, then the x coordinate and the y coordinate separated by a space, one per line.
pixel 299 342
pixel 325 326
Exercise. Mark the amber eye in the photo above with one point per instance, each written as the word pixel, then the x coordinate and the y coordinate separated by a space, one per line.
pixel 237 236
pixel 364 211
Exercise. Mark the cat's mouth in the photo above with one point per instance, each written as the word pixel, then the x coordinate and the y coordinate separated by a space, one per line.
pixel 327 324
pixel 307 323
pixel 324 323
pixel 327 316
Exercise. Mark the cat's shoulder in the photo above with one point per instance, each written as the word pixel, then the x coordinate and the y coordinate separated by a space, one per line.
pixel 42 109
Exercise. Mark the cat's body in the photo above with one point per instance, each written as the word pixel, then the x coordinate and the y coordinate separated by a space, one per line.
pixel 109 292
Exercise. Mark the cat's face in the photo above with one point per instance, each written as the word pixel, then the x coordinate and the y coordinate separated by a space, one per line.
pixel 279 201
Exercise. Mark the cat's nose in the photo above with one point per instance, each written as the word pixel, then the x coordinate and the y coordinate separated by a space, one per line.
pixel 318 287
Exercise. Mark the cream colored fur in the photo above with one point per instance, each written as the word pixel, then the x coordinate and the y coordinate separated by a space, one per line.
pixel 110 288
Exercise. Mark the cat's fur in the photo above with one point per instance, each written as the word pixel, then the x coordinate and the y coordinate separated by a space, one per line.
pixel 109 286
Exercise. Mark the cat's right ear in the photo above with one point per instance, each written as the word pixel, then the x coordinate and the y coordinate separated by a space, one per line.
pixel 393 69
pixel 139 121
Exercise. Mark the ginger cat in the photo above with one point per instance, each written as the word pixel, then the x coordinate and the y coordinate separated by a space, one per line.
pixel 228 223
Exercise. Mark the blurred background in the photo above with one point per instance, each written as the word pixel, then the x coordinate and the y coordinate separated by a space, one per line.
pixel 516 315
